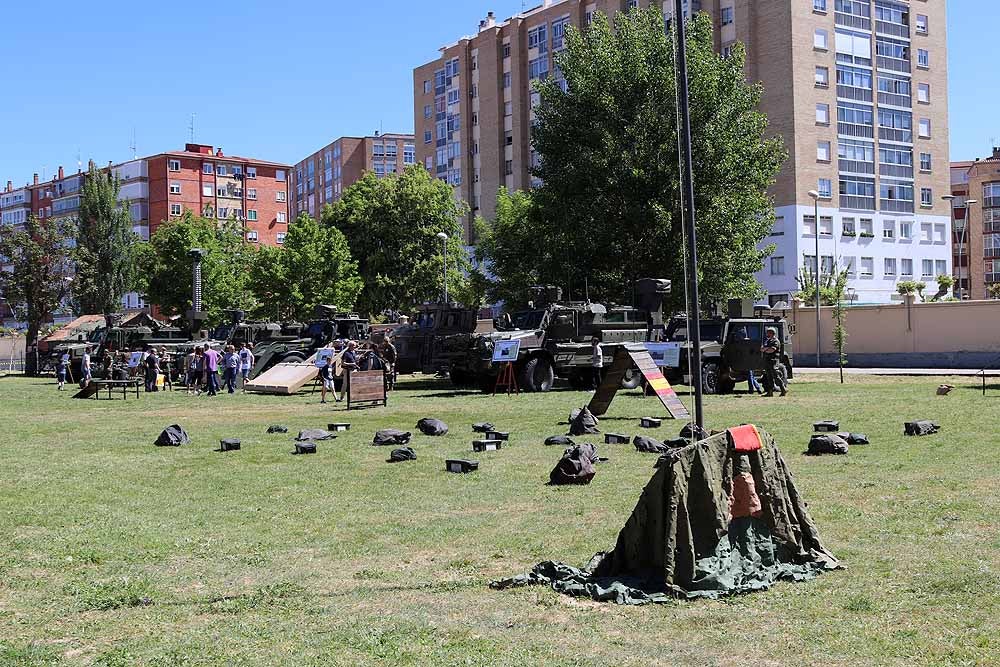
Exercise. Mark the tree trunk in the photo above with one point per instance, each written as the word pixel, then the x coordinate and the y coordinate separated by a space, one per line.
pixel 31 349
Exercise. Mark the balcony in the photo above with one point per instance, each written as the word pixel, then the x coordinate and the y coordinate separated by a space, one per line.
pixel 992 278
pixel 857 202
pixel 895 171
pixel 855 130
pixel 991 252
pixel 892 29
pixel 895 134
pixel 896 100
pixel 852 93
pixel 896 205
pixel 991 202
pixel 853 21
pixel 892 64
pixel 856 166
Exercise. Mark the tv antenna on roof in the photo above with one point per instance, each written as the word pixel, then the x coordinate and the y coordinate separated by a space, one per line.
pixel 132 144
pixel 191 127
pixel 79 160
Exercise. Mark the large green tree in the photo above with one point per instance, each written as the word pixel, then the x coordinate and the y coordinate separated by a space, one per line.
pixel 391 225
pixel 105 246
pixel 36 277
pixel 610 206
pixel 165 266
pixel 313 267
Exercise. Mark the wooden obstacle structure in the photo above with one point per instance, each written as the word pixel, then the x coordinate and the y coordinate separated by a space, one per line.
pixel 366 389
pixel 627 356
pixel 284 379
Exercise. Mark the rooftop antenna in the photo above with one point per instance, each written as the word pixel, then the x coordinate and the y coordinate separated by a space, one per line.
pixel 79 160
pixel 132 144
pixel 191 127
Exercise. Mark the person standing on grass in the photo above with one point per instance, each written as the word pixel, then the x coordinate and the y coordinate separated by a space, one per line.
pixel 152 368
pixel 349 362
pixel 328 375
pixel 773 378
pixel 246 363
pixel 211 370
pixel 85 371
pixel 190 370
pixel 231 363
pixel 389 356
pixel 596 363
pixel 61 370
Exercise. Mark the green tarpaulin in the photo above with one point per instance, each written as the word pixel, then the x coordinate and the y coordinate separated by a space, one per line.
pixel 712 521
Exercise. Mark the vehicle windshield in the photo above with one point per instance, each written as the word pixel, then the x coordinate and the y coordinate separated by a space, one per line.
pixel 223 331
pixel 97 335
pixel 710 331
pixel 530 319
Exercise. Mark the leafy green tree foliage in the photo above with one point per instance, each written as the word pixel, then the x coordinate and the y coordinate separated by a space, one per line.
pixel 105 246
pixel 39 275
pixel 610 206
pixel 313 267
pixel 165 267
pixel 391 225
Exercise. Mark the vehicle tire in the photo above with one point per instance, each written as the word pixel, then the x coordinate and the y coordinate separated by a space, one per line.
pixel 632 379
pixel 538 375
pixel 459 378
pixel 710 377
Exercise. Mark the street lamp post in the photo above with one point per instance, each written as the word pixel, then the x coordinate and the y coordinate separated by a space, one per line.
pixel 962 235
pixel 819 336
pixel 444 258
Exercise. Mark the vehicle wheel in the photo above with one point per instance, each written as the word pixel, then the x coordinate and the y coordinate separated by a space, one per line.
pixel 538 375
pixel 293 358
pixel 632 379
pixel 459 378
pixel 710 377
pixel 578 381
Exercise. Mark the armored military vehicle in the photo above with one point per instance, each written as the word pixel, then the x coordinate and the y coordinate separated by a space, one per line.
pixel 424 344
pixel 294 344
pixel 555 338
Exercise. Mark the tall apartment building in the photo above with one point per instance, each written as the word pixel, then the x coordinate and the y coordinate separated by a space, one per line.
pixel 978 266
pixel 867 78
pixel 322 177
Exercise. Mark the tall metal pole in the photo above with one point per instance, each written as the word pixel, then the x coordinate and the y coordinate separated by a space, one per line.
pixel 819 335
pixel 687 183
pixel 444 262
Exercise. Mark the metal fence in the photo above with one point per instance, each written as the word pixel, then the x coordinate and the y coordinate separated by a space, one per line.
pixel 12 364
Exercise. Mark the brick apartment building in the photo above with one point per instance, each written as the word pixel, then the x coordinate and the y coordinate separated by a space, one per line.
pixel 322 177
pixel 865 79
pixel 976 188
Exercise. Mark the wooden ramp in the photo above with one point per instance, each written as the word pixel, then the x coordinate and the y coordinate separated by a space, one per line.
pixel 635 354
pixel 284 379
pixel 87 391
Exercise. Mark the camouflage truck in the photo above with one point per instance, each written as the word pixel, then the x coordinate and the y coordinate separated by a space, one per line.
pixel 556 336
pixel 298 343
pixel 422 343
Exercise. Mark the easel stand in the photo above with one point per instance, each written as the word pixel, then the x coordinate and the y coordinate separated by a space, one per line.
pixel 507 379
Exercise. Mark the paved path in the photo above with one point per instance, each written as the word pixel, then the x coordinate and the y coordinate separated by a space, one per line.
pixel 932 372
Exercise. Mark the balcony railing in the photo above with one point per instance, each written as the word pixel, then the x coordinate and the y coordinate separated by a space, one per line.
pixel 895 100
pixel 893 64
pixel 893 29
pixel 991 252
pixel 992 277
pixel 991 227
pixel 852 93
pixel 896 205
pixel 856 166
pixel 991 202
pixel 895 134
pixel 853 21
pixel 857 202
pixel 855 130
pixel 895 170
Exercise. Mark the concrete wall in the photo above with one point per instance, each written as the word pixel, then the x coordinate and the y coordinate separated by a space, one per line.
pixel 907 335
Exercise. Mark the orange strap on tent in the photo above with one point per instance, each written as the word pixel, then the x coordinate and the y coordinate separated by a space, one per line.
pixel 745 438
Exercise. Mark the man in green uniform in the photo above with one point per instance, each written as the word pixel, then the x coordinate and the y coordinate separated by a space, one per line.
pixel 773 378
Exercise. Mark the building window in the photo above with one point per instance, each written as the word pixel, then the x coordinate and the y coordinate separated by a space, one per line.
pixel 252 215
pixel 809 225
pixel 282 218
pixel 220 169
pixel 207 168
pixel 727 15
pixel 825 188
pixel 926 197
pixel 867 267
pixel 924 128
pixel 508 108
pixel 924 93
pixel 905 231
pixel 251 172
pixel 823 151
pixel 506 50
pixel 508 139
pixel 174 165
pixel 252 235
pixel 825 225
pixel 927 268
pixel 906 267
pixel 779 226
pixel 506 79
pixel 890 267
pixel 428 111
pixel 427 87
pixel 889 230
pixel 819 5
pixel 175 209
pixel 822 114
pixel 940 267
pixel 922 24
pixel 508 168
pixel 279 175
pixel 923 58
pixel 428 136
pixel 538 38
pixel 207 190
pixel 822 77
pixel 280 237
pixel 777 266
pixel 252 193
pixel 223 213
pixel 175 187
pixel 820 40
pixel 925 162
pixel 848 228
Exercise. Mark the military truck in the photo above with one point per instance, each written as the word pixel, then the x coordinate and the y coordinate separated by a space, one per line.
pixel 556 336
pixel 424 343
pixel 297 344
pixel 730 349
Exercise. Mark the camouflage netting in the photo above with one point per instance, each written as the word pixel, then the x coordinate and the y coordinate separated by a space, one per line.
pixel 720 517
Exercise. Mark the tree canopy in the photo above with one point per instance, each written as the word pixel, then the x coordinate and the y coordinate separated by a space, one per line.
pixel 609 208
pixel 105 246
pixel 313 267
pixel 391 225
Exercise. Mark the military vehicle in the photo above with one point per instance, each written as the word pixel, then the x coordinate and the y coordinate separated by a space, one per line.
pixel 730 348
pixel 556 338
pixel 423 345
pixel 237 330
pixel 298 343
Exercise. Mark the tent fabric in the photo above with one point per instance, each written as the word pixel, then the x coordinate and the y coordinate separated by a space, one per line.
pixel 314 434
pixel 745 438
pixel 391 437
pixel 560 440
pixel 434 427
pixel 682 540
pixel 826 443
pixel 576 466
pixel 585 423
pixel 402 454
pixel 173 436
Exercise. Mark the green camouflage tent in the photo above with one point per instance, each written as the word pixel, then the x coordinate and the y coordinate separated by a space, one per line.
pixel 719 517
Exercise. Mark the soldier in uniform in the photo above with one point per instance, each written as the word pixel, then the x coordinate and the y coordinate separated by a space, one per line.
pixel 771 348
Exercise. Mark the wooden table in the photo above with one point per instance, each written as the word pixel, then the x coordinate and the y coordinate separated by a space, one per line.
pixel 115 384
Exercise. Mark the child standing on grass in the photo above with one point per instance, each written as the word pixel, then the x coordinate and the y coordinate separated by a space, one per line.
pixel 327 375
pixel 61 370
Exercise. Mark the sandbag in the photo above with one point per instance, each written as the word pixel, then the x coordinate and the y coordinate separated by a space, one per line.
pixel 483 427
pixel 576 466
pixel 826 443
pixel 921 427
pixel 696 434
pixel 584 423
pixel 855 438
pixel 314 434
pixel 402 454
pixel 173 436
pixel 560 440
pixel 429 426
pixel 391 437
pixel 277 428
pixel 649 445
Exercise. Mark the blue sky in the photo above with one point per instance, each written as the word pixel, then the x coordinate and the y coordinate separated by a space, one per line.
pixel 279 80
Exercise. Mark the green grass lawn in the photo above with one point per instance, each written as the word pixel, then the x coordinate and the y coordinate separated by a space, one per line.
pixel 115 552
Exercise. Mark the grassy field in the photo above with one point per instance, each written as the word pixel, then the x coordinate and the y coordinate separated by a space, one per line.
pixel 114 552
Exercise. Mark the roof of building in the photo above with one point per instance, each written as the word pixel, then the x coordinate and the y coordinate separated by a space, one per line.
pixel 220 158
